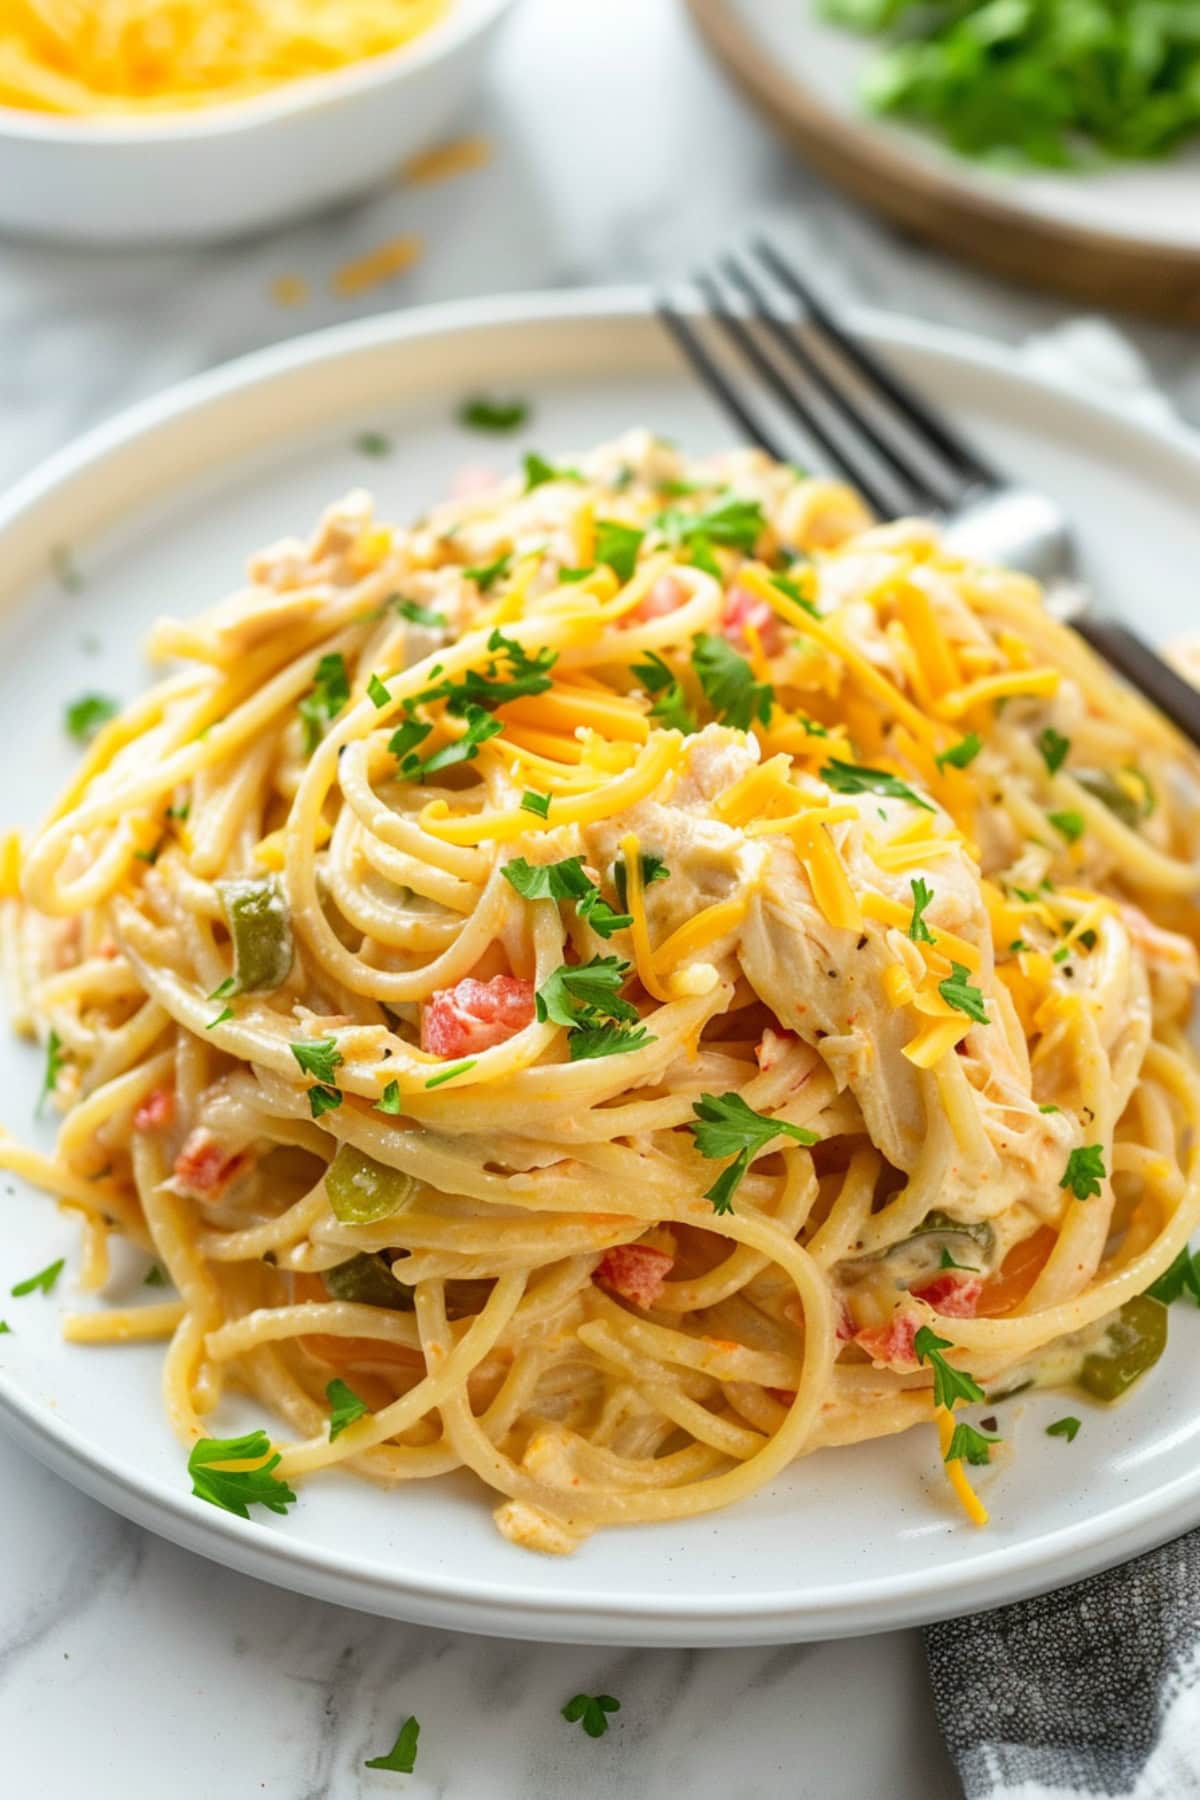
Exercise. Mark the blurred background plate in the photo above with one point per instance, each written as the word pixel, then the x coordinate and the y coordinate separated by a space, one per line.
pixel 1126 236
pixel 157 512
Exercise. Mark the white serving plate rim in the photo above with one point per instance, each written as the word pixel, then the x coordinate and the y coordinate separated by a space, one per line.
pixel 850 1606
pixel 464 20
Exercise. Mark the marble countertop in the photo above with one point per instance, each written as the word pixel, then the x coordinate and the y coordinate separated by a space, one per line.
pixel 129 1666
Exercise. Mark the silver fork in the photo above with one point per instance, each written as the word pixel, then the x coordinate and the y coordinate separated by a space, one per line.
pixel 900 453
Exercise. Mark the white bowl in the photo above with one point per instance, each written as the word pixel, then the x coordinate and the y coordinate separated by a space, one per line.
pixel 217 172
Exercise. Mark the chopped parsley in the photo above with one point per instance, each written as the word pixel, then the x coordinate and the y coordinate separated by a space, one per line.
pixel 918 930
pixel 55 1060
pixel 962 754
pixel 66 569
pixel 653 869
pixel 538 471
pixel 585 998
pixel 318 1057
pixel 5 1328
pixel 729 684
pixel 486 575
pixel 154 1276
pixel 670 708
pixel 734 523
pixel 494 685
pixel 1054 748
pixel 1085 1171
pixel 406 737
pixel 480 727
pixel 795 592
pixel 618 546
pixel 532 802
pixel 968 1445
pixel 950 1385
pixel 85 716
pixel 225 1013
pixel 238 1489
pixel 344 1407
pixel 1072 825
pixel 1182 1277
pixel 373 443
pixel 378 692
pixel 330 692
pixel 389 1101
pixel 323 1100
pixel 1064 1428
pixel 402 1757
pixel 1048 1106
pixel 958 992
pixel 726 1126
pixel 44 1280
pixel 482 414
pixel 449 1074
pixel 566 881
pixel 416 614
pixel 591 1711
pixel 946 1261
pixel 856 778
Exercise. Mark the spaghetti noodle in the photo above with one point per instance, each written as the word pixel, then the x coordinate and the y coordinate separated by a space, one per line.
pixel 640 976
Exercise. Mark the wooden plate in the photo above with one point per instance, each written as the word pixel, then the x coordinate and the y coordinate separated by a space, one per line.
pixel 1126 236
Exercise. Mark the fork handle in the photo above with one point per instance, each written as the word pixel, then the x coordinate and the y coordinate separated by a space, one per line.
pixel 1145 670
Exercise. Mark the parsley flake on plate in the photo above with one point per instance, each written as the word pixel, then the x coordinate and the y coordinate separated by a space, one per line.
pixel 55 1060
pixel 968 1445
pixel 591 1711
pixel 85 716
pixel 1065 1428
pixel 238 1488
pixel 373 443
pixel 1085 1171
pixel 538 472
pixel 1182 1277
pixel 483 414
pixel 44 1281
pixel 727 1126
pixel 401 1759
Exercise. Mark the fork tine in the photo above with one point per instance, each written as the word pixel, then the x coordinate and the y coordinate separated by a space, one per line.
pixel 914 490
pixel 715 380
pixel 791 398
pixel 919 417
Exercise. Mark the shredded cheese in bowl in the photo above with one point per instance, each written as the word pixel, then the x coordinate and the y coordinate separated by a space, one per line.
pixel 153 56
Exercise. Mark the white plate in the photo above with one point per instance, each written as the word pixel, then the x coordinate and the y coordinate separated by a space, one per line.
pixel 1151 204
pixel 160 509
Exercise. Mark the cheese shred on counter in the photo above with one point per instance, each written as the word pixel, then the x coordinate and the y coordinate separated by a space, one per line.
pixel 637 977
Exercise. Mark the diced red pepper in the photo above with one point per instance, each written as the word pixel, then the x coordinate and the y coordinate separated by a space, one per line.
pixel 156 1112
pixel 205 1169
pixel 475 1015
pixel 635 1271
pixel 953 1294
pixel 742 608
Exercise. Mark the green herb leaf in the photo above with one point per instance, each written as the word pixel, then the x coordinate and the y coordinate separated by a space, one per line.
pixel 344 1407
pixel 653 869
pixel 1049 1107
pixel 670 708
pixel 449 1074
pixel 729 684
pixel 734 523
pixel 795 592
pixel 55 1061
pixel 856 778
pixel 389 1101
pixel 1182 1277
pixel 958 992
pixel 618 546
pixel 591 1711
pixel 588 1042
pixel 373 443
pixel 482 414
pixel 486 575
pixel 566 881
pixel 1085 1171
pixel 1064 1428
pixel 538 471
pixel 378 692
pixel 536 803
pixel 5 1328
pixel 155 1276
pixel 950 1385
pixel 226 1012
pixel 43 1280
pixel 584 998
pixel 401 1759
pixel 727 1126
pixel 416 614
pixel 238 1489
pixel 330 692
pixel 918 930
pixel 1054 748
pixel 323 1100
pixel 962 754
pixel 66 569
pixel 406 737
pixel 968 1445
pixel 85 716
pixel 946 1261
pixel 318 1057
pixel 1072 825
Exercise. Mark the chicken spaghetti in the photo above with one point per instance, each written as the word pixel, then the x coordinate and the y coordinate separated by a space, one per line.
pixel 641 975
